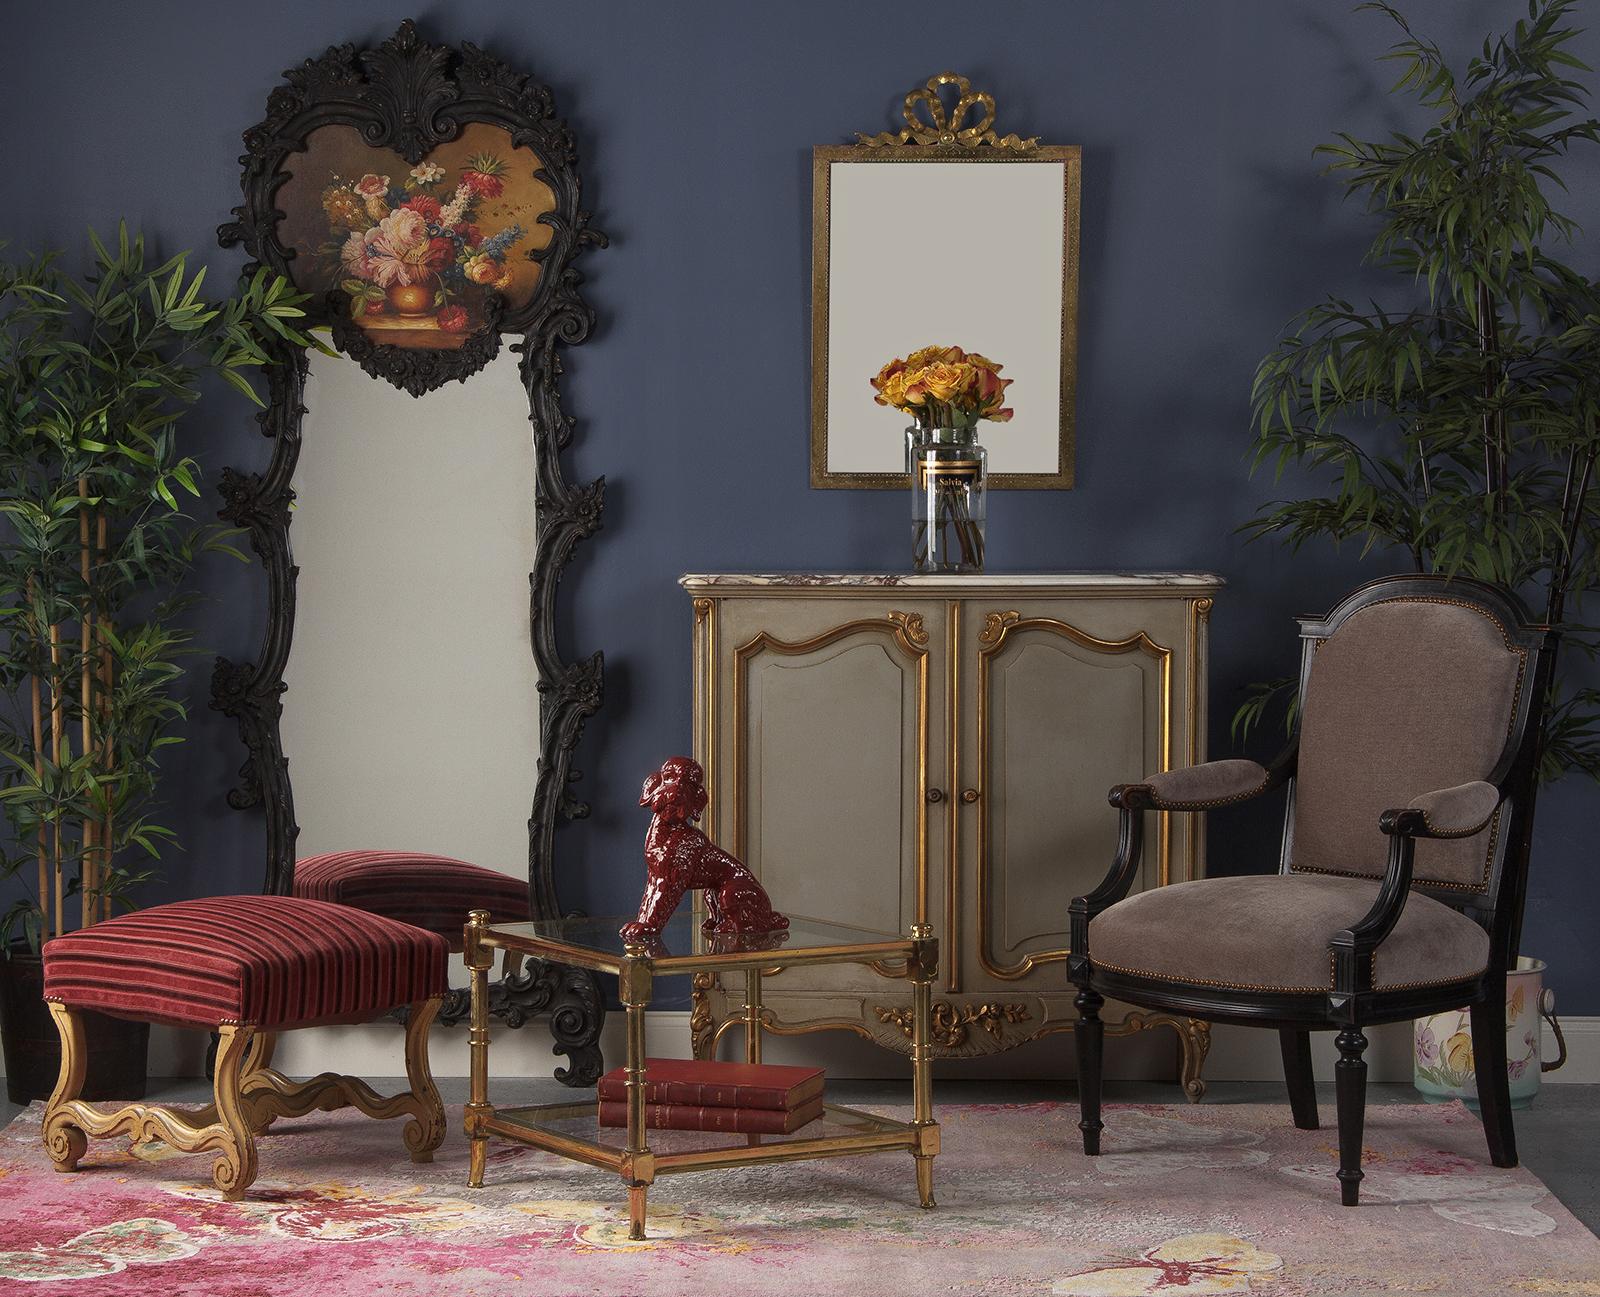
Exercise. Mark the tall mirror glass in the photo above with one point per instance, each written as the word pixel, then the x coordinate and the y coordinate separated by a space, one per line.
pixel 411 718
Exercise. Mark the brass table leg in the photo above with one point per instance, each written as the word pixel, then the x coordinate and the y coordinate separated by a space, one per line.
pixel 922 968
pixel 478 959
pixel 638 1168
pixel 752 1016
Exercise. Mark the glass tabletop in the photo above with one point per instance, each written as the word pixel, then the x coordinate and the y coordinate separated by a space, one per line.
pixel 683 944
pixel 579 1121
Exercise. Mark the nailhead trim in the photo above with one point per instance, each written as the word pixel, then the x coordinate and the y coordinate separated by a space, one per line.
pixel 1211 805
pixel 1287 990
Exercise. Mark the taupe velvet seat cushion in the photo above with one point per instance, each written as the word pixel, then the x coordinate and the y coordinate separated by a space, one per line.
pixel 1271 933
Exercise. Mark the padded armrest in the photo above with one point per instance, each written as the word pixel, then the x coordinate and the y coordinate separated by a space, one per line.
pixel 1200 788
pixel 1457 812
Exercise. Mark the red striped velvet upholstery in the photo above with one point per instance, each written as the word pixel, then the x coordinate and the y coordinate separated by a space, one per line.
pixel 267 961
pixel 432 892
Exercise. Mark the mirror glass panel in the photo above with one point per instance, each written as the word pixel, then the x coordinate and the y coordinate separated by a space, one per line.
pixel 411 719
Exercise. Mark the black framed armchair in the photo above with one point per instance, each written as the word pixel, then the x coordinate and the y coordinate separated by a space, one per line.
pixel 1403 869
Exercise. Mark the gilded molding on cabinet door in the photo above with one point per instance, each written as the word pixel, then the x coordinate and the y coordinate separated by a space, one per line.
pixel 952 845
pixel 907 631
pixel 998 630
pixel 952 1022
pixel 705 624
pixel 1199 618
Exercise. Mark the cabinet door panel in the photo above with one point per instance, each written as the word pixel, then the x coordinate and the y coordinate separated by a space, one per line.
pixel 1062 715
pixel 830 735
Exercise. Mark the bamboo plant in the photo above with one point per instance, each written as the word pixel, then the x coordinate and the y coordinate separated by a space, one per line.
pixel 1458 424
pixel 96 375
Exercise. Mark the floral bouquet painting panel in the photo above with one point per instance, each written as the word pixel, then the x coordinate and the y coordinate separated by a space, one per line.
pixel 415 251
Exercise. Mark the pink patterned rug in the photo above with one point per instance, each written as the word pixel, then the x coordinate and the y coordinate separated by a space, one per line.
pixel 1210 1199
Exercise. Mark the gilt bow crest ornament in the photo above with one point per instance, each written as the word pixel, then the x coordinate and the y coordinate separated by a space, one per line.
pixel 935 126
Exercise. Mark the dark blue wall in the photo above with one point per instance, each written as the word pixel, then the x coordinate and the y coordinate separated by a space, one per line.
pixel 1205 227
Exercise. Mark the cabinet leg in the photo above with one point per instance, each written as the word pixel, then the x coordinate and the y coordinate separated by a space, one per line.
pixel 1194 1038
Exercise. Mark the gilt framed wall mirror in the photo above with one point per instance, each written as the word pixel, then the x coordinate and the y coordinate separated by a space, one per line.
pixel 414 520
pixel 944 233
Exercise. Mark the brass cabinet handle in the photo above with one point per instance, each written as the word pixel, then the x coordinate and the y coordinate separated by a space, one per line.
pixel 936 794
pixel 969 795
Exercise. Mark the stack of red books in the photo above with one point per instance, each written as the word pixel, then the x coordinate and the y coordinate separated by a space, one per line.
pixel 740 1098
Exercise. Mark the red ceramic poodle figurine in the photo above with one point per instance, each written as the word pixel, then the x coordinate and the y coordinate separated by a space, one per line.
pixel 678 857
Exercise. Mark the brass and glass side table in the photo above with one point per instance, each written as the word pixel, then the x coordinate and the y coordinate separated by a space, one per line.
pixel 572 1130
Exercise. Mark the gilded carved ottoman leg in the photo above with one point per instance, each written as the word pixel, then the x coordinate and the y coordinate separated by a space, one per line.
pixel 1195 1037
pixel 235 1167
pixel 425 1131
pixel 256 1067
pixel 64 1141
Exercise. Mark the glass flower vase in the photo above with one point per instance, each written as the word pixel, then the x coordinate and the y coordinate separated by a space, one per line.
pixel 949 473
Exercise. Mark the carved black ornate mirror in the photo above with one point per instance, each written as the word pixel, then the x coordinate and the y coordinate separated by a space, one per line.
pixel 427 196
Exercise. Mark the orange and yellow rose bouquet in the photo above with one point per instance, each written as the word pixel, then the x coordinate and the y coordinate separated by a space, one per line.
pixel 945 391
pixel 944 387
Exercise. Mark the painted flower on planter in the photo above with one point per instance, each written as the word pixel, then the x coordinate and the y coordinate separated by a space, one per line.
pixel 417 259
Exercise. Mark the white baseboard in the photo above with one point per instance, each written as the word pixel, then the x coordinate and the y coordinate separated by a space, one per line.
pixel 1237 1053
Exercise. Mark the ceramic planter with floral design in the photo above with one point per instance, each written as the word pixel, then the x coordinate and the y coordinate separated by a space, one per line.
pixel 1442 1063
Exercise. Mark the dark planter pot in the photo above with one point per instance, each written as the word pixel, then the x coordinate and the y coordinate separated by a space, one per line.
pixel 117 1049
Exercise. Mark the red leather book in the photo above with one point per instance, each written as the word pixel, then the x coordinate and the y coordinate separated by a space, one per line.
pixel 706 1084
pixel 740 1121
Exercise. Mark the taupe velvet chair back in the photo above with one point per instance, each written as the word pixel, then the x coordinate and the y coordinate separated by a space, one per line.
pixel 1401 694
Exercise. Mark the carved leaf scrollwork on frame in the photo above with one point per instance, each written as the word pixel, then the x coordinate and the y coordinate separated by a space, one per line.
pixel 952 1022
pixel 409 95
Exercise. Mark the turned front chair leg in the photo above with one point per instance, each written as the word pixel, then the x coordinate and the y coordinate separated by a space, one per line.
pixel 424 1132
pixel 1350 1086
pixel 1089 1034
pixel 63 1141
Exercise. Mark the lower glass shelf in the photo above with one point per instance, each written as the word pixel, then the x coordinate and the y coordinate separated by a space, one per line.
pixel 574 1130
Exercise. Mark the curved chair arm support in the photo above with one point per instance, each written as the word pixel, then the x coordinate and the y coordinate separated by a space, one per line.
pixel 1457 812
pixel 1363 937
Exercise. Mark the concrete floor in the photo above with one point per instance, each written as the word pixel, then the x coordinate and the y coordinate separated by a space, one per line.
pixel 1558 1137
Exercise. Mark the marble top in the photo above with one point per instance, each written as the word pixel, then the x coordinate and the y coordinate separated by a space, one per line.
pixel 912 581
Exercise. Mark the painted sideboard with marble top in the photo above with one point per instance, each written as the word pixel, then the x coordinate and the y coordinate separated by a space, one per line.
pixel 887 750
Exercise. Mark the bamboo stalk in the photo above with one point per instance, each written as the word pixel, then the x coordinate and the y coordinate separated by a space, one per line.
pixel 103 552
pixel 38 772
pixel 88 869
pixel 57 709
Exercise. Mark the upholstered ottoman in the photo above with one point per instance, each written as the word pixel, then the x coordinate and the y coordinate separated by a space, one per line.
pixel 246 967
pixel 432 892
